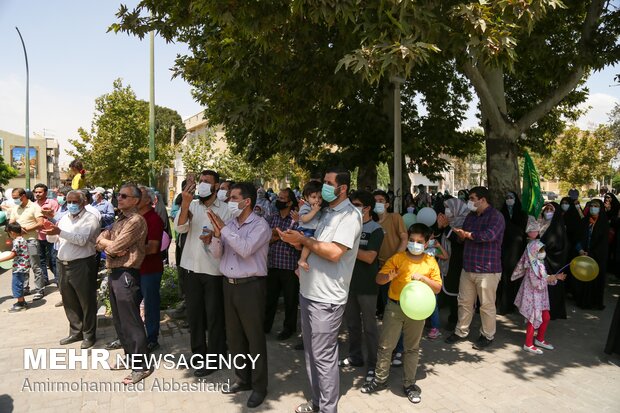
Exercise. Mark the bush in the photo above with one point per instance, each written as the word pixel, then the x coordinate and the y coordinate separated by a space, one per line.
pixel 169 290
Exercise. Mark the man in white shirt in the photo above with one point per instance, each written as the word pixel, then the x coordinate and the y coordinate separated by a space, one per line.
pixel 75 235
pixel 203 285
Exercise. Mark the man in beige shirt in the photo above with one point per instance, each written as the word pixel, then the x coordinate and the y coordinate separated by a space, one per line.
pixel 124 245
pixel 28 214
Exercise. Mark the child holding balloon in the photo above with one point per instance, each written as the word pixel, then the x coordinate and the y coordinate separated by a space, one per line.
pixel 533 299
pixel 401 269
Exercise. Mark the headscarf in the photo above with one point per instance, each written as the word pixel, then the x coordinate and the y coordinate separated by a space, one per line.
pixel 515 213
pixel 615 206
pixel 544 224
pixel 458 212
pixel 532 224
pixel 529 259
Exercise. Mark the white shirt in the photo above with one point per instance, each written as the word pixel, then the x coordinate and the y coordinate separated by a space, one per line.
pixel 195 257
pixel 77 236
pixel 93 211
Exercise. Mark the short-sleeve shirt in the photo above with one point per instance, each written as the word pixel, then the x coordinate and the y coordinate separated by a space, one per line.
pixel 364 274
pixel 393 225
pixel 406 265
pixel 26 217
pixel 314 222
pixel 328 282
pixel 77 182
pixel 21 262
pixel 153 263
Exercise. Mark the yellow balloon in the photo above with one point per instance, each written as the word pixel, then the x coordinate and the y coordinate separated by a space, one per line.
pixel 584 268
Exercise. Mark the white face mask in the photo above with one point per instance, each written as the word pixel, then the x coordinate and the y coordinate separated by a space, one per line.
pixel 415 248
pixel 564 207
pixel 548 216
pixel 204 189
pixel 221 194
pixel 233 207
pixel 379 208
pixel 541 256
pixel 510 202
pixel 471 205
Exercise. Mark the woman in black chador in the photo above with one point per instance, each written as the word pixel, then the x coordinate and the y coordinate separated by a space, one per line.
pixel 593 242
pixel 513 246
pixel 572 223
pixel 553 235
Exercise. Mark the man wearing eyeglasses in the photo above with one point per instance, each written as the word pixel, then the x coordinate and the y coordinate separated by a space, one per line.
pixel 124 246
pixel 75 237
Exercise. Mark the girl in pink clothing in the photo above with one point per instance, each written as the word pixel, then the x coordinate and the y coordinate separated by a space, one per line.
pixel 533 299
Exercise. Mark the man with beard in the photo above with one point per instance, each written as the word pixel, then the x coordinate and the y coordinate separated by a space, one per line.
pixel 203 284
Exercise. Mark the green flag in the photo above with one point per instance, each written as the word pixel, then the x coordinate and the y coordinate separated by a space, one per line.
pixel 531 198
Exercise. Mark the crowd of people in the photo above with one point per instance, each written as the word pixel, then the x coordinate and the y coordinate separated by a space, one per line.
pixel 332 252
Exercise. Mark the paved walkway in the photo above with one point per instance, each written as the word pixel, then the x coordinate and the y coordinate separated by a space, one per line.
pixel 577 376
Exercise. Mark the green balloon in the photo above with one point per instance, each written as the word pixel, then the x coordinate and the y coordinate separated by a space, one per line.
pixel 417 300
pixel 5 265
pixel 584 268
pixel 409 219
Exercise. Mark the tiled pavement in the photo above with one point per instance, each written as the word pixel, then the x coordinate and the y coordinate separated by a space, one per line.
pixel 577 376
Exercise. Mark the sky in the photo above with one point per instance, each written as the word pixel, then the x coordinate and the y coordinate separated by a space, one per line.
pixel 73 61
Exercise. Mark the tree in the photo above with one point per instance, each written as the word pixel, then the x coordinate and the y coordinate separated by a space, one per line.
pixel 6 172
pixel 266 72
pixel 579 157
pixel 524 59
pixel 115 150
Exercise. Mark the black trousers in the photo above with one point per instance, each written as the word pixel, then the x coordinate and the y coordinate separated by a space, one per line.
pixel 204 301
pixel 125 298
pixel 245 316
pixel 78 289
pixel 284 281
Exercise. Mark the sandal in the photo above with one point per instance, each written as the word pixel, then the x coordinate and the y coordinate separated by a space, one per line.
pixel 136 376
pixel 414 394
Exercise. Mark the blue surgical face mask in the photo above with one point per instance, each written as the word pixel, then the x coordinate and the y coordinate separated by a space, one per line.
pixel 74 209
pixel 328 193
pixel 410 210
pixel 595 211
pixel 17 201
pixel 380 208
pixel 415 248
pixel 565 207
pixel 548 216
pixel 60 199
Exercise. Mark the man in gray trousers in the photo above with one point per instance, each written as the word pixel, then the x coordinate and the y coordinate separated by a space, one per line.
pixel 325 287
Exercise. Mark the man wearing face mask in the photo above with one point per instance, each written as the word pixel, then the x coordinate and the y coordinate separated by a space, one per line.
pixel 482 232
pixel 224 192
pixel 105 208
pixel 243 245
pixel 28 214
pixel 282 262
pixel 203 283
pixel 75 236
pixel 325 287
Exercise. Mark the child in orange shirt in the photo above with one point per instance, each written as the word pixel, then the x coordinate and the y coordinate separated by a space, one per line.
pixel 401 269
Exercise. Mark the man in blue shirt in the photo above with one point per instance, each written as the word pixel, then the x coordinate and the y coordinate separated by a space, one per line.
pixel 104 207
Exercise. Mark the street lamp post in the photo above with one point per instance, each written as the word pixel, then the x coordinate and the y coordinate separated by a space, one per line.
pixel 152 113
pixel 27 154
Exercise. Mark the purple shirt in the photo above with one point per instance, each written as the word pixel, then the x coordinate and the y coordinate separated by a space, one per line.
pixel 281 254
pixel 483 253
pixel 243 247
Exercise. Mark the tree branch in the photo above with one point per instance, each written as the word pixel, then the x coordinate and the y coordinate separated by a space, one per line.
pixel 589 26
pixel 484 94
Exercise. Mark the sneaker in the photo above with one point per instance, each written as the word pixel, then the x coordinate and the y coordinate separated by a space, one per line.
pixel 482 343
pixel 433 334
pixel 114 345
pixel 37 296
pixel 453 338
pixel 532 349
pixel 18 306
pixel 373 386
pixel 414 393
pixel 544 344
pixel 308 407
pixel 370 375
pixel 397 359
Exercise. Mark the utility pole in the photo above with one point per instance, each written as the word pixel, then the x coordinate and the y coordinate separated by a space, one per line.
pixel 152 114
pixel 171 170
pixel 27 154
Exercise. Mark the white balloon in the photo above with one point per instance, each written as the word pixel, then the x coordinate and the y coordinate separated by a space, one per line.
pixel 427 216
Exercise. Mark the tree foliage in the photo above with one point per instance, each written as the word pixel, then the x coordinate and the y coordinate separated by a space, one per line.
pixel 6 172
pixel 579 157
pixel 116 149
pixel 267 73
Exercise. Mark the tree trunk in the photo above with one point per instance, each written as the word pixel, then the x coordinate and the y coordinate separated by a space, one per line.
pixel 367 176
pixel 502 164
